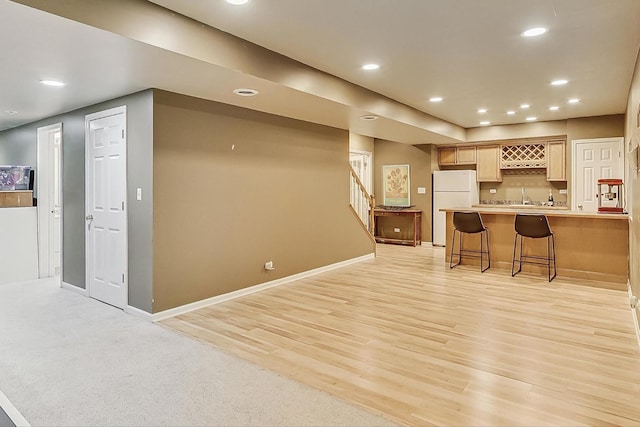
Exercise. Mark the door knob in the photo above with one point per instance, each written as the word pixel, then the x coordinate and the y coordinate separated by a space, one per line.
pixel 89 217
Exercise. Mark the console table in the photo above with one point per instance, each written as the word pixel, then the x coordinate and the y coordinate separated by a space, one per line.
pixel 384 218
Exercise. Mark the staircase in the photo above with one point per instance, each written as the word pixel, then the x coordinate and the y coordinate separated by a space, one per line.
pixel 361 202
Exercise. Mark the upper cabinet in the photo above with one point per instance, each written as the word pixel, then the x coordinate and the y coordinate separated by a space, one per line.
pixel 488 163
pixel 449 156
pixel 492 159
pixel 556 161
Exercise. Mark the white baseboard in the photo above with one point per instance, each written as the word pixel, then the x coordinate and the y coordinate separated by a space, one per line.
pixel 15 416
pixel 138 313
pixel 252 289
pixel 72 288
pixel 634 310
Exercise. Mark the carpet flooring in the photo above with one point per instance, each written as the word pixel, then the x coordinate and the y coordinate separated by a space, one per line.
pixel 5 421
pixel 66 359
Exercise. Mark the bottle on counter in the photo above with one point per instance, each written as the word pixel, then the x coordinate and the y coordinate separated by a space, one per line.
pixel 550 202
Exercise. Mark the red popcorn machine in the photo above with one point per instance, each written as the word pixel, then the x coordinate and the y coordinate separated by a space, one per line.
pixel 610 196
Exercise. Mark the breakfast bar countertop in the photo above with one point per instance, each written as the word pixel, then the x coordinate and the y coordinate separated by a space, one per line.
pixel 588 245
pixel 549 211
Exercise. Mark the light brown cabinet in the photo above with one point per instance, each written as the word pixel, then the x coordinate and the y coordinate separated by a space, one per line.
pixel 449 156
pixel 488 163
pixel 556 161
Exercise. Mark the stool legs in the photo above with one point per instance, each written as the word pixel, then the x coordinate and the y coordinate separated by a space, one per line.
pixel 453 244
pixel 513 260
pixel 553 247
pixel 486 236
pixel 548 260
pixel 476 253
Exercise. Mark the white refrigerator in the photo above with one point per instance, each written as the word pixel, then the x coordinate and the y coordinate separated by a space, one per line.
pixel 451 189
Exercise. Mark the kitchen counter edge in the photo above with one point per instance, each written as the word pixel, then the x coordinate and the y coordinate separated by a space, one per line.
pixel 497 210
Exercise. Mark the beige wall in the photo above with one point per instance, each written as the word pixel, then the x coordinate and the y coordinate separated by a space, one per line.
pixel 419 159
pixel 633 182
pixel 234 188
pixel 361 142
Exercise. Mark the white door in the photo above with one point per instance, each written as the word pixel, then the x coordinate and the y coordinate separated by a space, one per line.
pixel 49 194
pixel 361 164
pixel 594 159
pixel 106 195
pixel 55 220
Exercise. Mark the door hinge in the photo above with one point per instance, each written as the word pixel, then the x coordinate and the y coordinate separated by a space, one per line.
pixel 122 277
pixel 122 133
pixel 122 205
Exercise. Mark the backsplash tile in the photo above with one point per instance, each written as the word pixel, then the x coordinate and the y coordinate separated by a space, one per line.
pixel 518 202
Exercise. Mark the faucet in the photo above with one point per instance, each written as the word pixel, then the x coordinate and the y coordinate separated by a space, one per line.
pixel 524 197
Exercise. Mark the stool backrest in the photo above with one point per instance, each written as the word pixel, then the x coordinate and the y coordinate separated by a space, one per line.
pixel 532 225
pixel 468 222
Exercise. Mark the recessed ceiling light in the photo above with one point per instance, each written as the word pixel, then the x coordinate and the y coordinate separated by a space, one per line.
pixel 368 117
pixel 482 110
pixel 485 123
pixel 54 83
pixel 245 92
pixel 532 32
pixel 524 106
pixel 11 112
pixel 573 101
pixel 237 2
pixel 511 113
pixel 435 99
pixel 559 82
pixel 554 108
pixel 532 119
pixel 370 67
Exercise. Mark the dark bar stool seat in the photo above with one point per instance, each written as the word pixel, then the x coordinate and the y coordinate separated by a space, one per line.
pixel 534 226
pixel 469 223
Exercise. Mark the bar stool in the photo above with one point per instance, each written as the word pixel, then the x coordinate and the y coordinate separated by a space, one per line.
pixel 469 223
pixel 534 226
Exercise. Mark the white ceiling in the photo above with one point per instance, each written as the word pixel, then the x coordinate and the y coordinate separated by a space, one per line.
pixel 468 51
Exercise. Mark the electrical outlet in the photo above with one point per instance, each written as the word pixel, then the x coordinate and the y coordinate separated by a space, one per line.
pixel 422 190
pixel 269 265
pixel 397 230
pixel 563 191
pixel 493 191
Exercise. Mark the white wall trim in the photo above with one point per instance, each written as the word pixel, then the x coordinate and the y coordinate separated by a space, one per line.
pixel 15 416
pixel 256 288
pixel 634 311
pixel 73 288
pixel 134 311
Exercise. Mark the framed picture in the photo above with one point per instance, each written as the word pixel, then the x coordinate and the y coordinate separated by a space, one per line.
pixel 395 181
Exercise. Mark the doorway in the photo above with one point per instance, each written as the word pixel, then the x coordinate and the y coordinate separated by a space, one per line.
pixel 593 159
pixel 105 198
pixel 49 200
pixel 361 163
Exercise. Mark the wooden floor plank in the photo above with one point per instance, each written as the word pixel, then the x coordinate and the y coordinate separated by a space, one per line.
pixel 422 344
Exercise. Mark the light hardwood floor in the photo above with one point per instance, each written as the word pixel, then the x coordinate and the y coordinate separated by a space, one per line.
pixel 406 337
